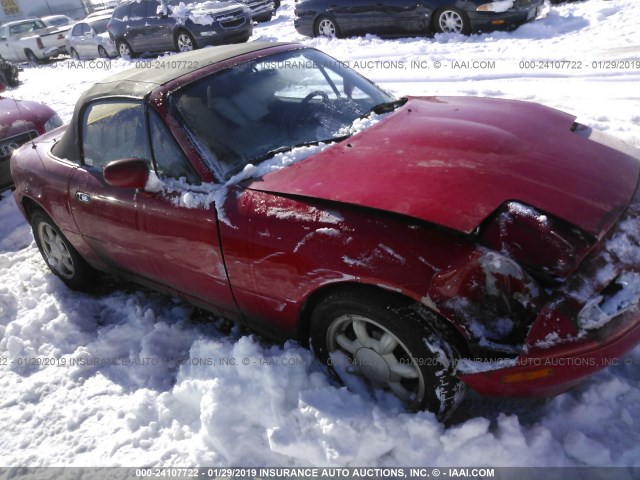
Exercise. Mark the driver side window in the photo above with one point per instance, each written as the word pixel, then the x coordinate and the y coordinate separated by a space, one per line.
pixel 114 130
pixel 170 160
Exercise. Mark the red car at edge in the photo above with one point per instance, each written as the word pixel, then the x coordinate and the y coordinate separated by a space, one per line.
pixel 423 244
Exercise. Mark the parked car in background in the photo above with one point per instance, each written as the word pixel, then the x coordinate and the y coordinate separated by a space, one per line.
pixel 261 10
pixel 404 17
pixel 441 242
pixel 140 26
pixel 20 122
pixel 57 20
pixel 89 39
pixel 9 73
pixel 31 40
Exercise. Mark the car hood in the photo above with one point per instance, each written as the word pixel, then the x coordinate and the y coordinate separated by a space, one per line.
pixel 452 161
pixel 199 12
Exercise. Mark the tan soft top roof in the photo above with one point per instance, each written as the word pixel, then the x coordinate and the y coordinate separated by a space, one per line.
pixel 139 82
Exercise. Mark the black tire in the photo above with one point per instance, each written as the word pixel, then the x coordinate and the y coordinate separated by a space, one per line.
pixel 74 54
pixel 124 49
pixel 102 53
pixel 184 41
pixel 12 77
pixel 10 73
pixel 451 20
pixel 326 27
pixel 265 17
pixel 413 353
pixel 60 256
pixel 31 57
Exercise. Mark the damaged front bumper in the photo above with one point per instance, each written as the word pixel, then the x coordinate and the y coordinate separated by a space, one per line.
pixel 591 322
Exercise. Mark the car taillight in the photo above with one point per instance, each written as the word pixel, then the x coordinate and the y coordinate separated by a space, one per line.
pixel 39 43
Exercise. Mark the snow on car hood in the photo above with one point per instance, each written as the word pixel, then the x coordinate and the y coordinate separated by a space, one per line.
pixel 200 13
pixel 452 161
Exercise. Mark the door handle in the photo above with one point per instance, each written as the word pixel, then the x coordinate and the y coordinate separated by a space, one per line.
pixel 83 197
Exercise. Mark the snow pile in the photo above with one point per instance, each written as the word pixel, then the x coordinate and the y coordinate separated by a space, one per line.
pixel 199 13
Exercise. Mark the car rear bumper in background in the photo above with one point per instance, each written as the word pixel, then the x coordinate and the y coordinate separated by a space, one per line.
pixel 512 18
pixel 304 25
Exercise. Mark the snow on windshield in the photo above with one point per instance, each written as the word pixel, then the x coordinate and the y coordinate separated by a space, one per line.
pixel 204 195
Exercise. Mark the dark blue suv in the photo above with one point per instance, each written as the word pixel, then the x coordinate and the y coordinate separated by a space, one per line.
pixel 147 26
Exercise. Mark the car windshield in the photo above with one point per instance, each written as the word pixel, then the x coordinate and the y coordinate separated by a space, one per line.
pixel 253 110
pixel 100 26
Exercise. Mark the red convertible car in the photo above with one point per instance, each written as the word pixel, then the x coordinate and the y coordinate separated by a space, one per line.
pixel 424 244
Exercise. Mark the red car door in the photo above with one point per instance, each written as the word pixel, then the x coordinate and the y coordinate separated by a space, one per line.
pixel 107 216
pixel 147 233
pixel 181 237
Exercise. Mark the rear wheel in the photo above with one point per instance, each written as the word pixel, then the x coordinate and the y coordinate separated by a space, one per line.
pixel 31 57
pixel 404 350
pixel 185 42
pixel 124 49
pixel 452 20
pixel 327 27
pixel 102 53
pixel 60 256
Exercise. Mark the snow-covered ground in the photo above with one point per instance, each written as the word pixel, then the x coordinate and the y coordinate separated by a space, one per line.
pixel 80 404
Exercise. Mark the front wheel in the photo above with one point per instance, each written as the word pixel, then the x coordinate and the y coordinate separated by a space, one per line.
pixel 185 42
pixel 327 27
pixel 397 348
pixel 452 20
pixel 74 54
pixel 124 49
pixel 102 53
pixel 60 256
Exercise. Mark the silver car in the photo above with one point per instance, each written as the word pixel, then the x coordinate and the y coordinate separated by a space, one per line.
pixel 89 39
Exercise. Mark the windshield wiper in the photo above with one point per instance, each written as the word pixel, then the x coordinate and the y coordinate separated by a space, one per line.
pixel 387 107
pixel 288 148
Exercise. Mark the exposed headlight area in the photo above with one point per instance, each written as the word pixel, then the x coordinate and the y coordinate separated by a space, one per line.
pixel 545 245
pixel 53 122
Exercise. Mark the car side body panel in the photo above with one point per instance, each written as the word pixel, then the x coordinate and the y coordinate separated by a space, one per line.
pixel 402 17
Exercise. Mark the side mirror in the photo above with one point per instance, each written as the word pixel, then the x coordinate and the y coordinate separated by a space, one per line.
pixel 127 173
